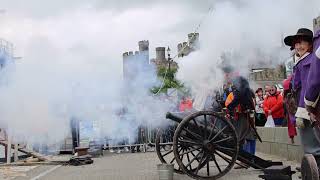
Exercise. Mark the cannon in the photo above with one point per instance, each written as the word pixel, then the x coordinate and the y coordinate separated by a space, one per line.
pixel 204 145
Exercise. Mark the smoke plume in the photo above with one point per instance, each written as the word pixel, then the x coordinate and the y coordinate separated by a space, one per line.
pixel 244 33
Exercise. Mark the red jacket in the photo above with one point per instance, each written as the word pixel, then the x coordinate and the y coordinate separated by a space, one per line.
pixel 185 105
pixel 275 104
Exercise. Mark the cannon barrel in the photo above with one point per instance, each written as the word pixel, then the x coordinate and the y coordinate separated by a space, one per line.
pixel 174 117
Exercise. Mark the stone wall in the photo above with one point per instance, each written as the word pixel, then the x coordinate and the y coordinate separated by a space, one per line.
pixel 277 142
pixel 269 74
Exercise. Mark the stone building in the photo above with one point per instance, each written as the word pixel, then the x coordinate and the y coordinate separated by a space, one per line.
pixel 270 76
pixel 185 48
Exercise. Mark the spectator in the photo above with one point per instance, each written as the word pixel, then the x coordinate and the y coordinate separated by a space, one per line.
pixel 260 116
pixel 267 91
pixel 273 105
pixel 185 104
pixel 289 111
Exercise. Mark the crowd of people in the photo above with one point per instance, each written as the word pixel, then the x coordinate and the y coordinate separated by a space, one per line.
pixel 268 102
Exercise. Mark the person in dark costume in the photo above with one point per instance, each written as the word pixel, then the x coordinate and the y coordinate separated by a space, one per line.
pixel 240 105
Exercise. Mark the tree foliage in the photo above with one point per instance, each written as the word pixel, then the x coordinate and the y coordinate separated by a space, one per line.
pixel 169 81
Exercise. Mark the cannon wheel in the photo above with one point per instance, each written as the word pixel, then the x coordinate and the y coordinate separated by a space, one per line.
pixel 309 168
pixel 205 154
pixel 165 150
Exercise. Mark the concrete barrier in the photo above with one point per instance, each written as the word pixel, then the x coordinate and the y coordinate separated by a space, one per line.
pixel 277 142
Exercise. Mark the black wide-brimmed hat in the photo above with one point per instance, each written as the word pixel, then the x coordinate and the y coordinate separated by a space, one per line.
pixel 304 33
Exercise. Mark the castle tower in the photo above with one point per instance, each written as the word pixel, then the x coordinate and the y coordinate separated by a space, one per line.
pixel 143 45
pixel 137 61
pixel 160 53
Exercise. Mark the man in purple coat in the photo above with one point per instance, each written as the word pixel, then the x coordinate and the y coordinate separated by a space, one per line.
pixel 312 94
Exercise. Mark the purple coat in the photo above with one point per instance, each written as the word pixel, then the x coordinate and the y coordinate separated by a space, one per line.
pixel 312 92
pixel 301 71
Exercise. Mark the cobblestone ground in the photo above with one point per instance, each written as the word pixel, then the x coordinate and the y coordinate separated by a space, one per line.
pixel 126 166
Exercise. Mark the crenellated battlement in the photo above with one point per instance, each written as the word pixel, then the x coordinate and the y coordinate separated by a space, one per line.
pixel 186 48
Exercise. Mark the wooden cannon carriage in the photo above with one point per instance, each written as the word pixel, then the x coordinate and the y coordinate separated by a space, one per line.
pixel 205 145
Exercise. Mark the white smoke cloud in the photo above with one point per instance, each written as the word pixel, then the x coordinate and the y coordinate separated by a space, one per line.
pixel 71 66
pixel 248 33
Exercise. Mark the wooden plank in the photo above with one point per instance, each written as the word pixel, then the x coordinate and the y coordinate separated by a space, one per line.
pixel 26 151
pixel 34 154
pixel 34 163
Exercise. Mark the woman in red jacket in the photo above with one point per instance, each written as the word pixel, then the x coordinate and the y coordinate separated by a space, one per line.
pixel 273 105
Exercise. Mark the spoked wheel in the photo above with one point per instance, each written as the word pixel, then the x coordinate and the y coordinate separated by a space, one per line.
pixel 164 148
pixel 309 168
pixel 205 145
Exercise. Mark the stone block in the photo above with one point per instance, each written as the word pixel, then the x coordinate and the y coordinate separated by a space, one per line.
pixel 295 153
pixel 266 134
pixel 281 135
pixel 279 149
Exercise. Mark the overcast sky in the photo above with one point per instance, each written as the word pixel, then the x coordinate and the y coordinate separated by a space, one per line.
pixel 46 8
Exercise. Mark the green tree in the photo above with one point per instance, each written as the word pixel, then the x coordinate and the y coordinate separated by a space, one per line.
pixel 169 81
